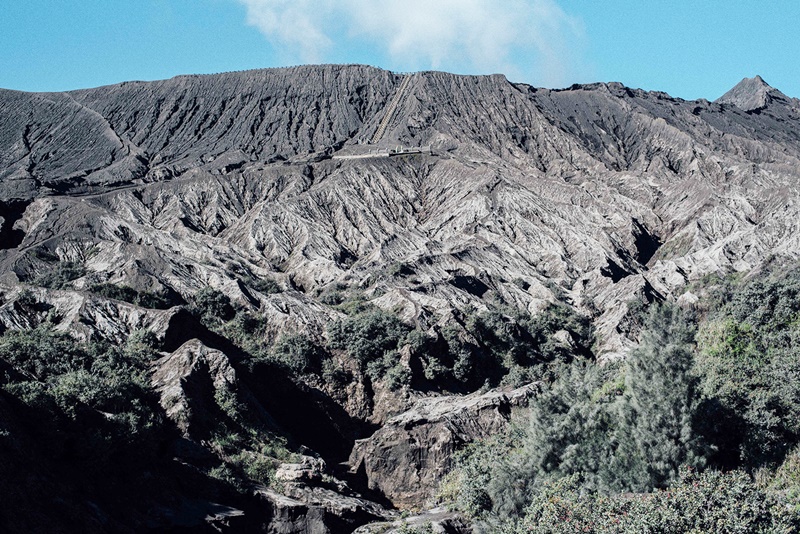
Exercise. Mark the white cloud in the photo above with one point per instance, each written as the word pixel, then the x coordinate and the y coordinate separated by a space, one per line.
pixel 296 24
pixel 530 38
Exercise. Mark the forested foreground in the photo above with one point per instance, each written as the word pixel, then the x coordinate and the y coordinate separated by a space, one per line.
pixel 696 431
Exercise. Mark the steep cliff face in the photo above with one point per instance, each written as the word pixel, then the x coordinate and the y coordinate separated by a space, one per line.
pixel 594 196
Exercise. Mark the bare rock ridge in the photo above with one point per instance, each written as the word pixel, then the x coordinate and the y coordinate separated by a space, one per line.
pixel 430 195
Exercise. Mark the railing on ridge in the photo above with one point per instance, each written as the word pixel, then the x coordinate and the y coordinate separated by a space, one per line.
pixel 390 110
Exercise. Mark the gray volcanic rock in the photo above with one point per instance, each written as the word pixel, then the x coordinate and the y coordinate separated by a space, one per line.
pixel 141 132
pixel 318 510
pixel 215 180
pixel 188 377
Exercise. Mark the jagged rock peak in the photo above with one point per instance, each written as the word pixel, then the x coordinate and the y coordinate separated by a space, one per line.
pixel 751 94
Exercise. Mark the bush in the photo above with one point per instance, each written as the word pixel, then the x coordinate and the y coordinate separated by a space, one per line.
pixel 69 380
pixel 659 409
pixel 751 369
pixel 367 336
pixel 710 501
pixel 506 346
pixel 212 305
pixel 61 276
pixel 467 487
pixel 297 353
pixel 248 331
pixel 144 299
pixel 621 448
pixel 616 428
pixel 42 352
pixel 267 286
pixel 334 375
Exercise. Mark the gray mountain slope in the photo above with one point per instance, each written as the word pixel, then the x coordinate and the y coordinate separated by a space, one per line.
pixel 228 174
pixel 595 196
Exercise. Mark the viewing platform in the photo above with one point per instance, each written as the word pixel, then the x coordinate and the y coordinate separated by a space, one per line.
pixel 369 151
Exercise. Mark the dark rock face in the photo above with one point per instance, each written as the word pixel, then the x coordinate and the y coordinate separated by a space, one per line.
pixel 594 196
pixel 318 512
pixel 407 458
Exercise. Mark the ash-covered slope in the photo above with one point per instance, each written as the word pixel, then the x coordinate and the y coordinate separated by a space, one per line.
pixel 430 195
pixel 604 192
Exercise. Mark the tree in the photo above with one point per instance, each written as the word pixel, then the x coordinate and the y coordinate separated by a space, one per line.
pixel 615 428
pixel 658 427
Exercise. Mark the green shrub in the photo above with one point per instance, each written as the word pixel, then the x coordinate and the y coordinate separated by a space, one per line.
pixel 398 269
pixel 297 353
pixel 617 428
pixel 68 381
pixel 750 362
pixel 505 346
pixel 212 305
pixel 248 331
pixel 61 276
pixel 144 299
pixel 467 487
pixel 405 528
pixel 367 336
pixel 334 375
pixel 42 352
pixel 659 408
pixel 398 376
pixel 228 401
pixel 710 501
pixel 267 286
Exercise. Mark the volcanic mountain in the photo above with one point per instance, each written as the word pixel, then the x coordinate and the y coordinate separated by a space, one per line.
pixel 430 196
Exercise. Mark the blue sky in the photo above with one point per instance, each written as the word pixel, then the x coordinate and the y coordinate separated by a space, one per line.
pixel 696 49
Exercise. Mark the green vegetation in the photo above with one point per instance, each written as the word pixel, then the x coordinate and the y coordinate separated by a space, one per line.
pixel 504 346
pixel 298 354
pixel 96 398
pixel 498 346
pixel 61 275
pixel 696 431
pixel 492 348
pixel 616 428
pixel 144 299
pixel 267 286
pixel 212 306
pixel 249 451
pixel 69 383
pixel 709 501
pixel 372 338
pixel 750 360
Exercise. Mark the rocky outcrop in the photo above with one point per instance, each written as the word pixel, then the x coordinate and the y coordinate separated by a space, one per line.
pixel 189 378
pixel 319 512
pixel 436 520
pixel 82 314
pixel 313 501
pixel 406 459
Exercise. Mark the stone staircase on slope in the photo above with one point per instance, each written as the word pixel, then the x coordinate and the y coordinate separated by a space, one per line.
pixel 390 109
